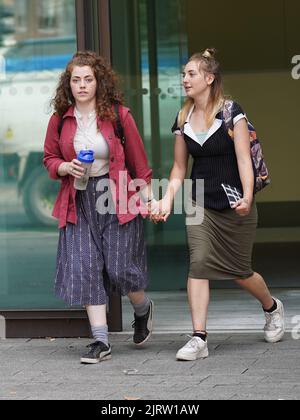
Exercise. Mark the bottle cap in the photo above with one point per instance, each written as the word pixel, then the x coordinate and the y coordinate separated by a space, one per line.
pixel 86 156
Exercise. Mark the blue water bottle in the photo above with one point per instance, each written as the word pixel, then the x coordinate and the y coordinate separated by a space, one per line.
pixel 86 157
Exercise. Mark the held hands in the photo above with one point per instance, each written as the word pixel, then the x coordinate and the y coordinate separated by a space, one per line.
pixel 159 211
pixel 242 207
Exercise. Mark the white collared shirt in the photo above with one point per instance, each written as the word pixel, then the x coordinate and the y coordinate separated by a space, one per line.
pixel 89 138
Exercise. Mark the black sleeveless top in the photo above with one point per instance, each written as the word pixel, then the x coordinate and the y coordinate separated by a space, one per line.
pixel 215 162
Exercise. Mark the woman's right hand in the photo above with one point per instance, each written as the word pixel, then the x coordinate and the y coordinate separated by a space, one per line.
pixel 73 168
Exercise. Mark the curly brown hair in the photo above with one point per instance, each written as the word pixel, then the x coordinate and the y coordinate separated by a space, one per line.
pixel 107 93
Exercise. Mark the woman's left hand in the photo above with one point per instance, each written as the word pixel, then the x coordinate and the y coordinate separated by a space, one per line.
pixel 242 207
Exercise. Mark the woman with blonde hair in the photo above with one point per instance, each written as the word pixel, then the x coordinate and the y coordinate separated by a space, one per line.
pixel 220 248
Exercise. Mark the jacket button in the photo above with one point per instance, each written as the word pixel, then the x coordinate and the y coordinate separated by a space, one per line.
pixel 112 159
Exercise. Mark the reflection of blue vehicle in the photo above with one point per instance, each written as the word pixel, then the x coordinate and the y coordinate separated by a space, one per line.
pixel 39 54
pixel 32 70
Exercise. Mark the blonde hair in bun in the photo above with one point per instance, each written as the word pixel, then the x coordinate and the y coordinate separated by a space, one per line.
pixel 209 53
pixel 206 62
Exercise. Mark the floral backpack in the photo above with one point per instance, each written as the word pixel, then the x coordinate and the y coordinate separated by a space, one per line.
pixel 261 173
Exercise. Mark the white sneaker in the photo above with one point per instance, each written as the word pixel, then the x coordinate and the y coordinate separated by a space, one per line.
pixel 194 349
pixel 274 328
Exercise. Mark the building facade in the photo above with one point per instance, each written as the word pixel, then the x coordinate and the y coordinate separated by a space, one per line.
pixel 148 41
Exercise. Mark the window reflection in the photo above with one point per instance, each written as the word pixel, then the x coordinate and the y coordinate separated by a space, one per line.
pixel 21 15
pixel 37 38
pixel 48 15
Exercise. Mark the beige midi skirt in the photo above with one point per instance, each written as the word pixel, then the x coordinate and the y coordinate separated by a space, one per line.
pixel 221 247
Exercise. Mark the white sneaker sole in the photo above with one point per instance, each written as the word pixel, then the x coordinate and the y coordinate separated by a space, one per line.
pixel 95 361
pixel 275 339
pixel 191 357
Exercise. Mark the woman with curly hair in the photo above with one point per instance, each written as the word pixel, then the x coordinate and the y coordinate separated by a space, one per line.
pixel 101 248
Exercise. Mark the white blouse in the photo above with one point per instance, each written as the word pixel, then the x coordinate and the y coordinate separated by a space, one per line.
pixel 89 138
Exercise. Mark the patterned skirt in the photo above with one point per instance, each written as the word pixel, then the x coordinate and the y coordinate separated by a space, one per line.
pixel 98 255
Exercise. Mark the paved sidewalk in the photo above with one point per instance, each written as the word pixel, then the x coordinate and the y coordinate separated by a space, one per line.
pixel 241 366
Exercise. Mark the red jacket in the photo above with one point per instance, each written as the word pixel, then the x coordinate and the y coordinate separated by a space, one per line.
pixel 131 158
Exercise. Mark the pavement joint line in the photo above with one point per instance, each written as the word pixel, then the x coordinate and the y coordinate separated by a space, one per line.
pixel 211 331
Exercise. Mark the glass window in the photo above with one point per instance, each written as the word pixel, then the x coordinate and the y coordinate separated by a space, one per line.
pixel 48 14
pixel 28 233
pixel 156 45
pixel 21 14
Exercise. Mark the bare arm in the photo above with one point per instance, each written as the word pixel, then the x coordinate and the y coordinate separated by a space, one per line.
pixel 179 168
pixel 242 150
pixel 176 178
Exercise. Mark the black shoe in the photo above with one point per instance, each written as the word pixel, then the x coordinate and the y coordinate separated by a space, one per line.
pixel 143 326
pixel 97 353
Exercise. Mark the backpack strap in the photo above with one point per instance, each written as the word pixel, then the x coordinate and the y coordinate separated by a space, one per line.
pixel 119 132
pixel 60 126
pixel 227 114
